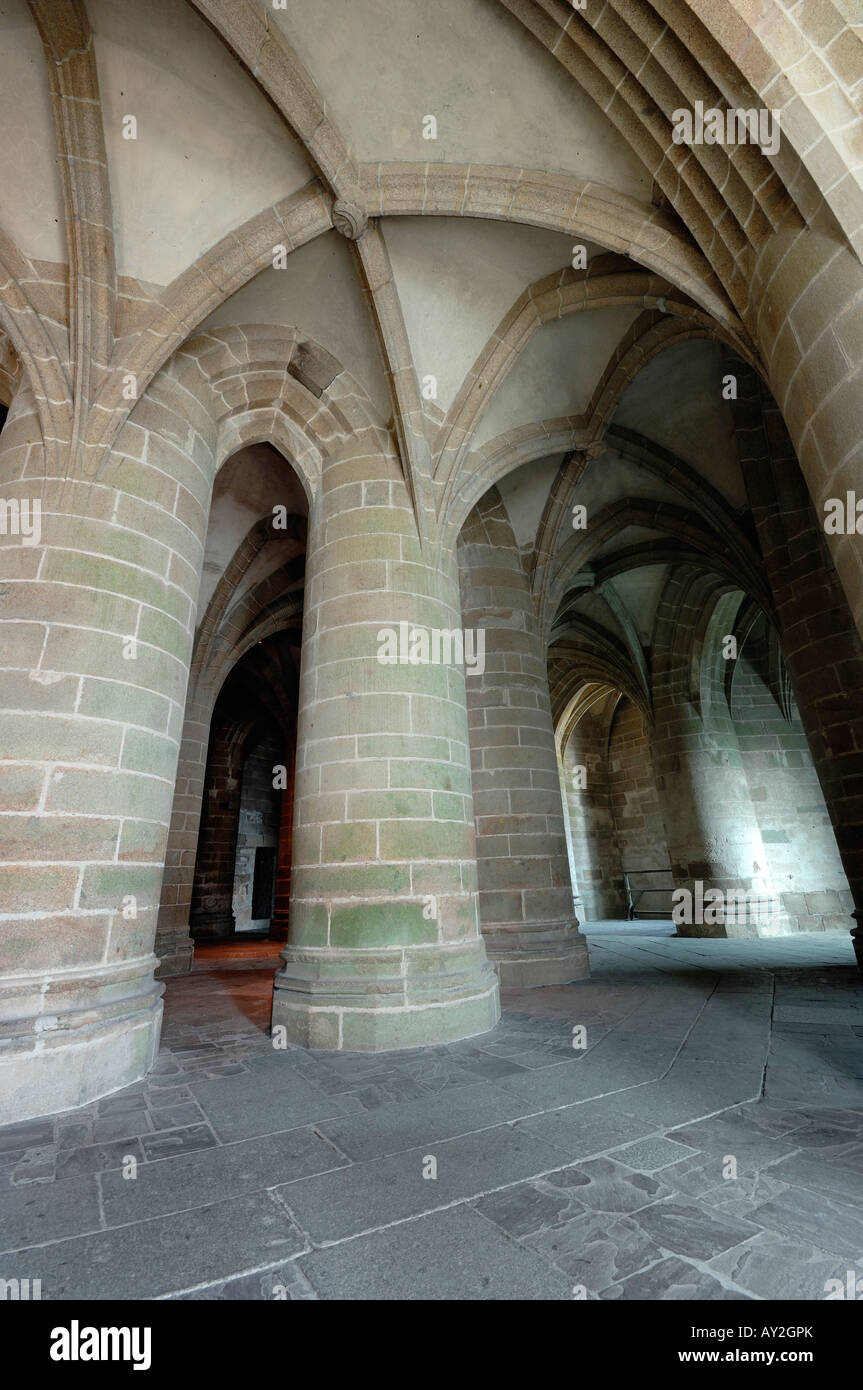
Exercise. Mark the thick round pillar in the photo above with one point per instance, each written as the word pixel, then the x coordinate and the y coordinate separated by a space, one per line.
pixel 95 635
pixel 595 861
pixel 714 840
pixel 525 889
pixel 385 950
pixel 821 644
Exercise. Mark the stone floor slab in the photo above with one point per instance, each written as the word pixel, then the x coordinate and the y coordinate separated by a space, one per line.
pixel 687 1228
pixel 816 1219
pixel 674 1279
pixel 198 1179
pixel 239 1107
pixel 650 1155
pixel 385 1190
pixel 581 1130
pixel 773 1267
pixel 393 1128
pixel 451 1255
pixel 39 1212
pixel 151 1258
pixel 595 1252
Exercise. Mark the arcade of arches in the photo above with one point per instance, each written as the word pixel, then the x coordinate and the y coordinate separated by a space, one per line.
pixel 417 320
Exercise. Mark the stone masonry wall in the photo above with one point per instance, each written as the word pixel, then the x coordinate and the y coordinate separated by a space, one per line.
pixel 635 806
pixel 786 795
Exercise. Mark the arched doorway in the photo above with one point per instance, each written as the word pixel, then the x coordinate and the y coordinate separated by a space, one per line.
pixel 227 875
pixel 241 885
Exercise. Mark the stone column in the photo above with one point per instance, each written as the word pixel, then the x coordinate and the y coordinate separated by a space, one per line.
pixel 385 950
pixel 95 637
pixel 526 897
pixel 212 914
pixel 639 827
pixel 713 834
pixel 820 641
pixel 597 867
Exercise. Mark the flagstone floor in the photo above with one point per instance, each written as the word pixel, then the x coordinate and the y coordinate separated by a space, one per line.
pixel 706 1143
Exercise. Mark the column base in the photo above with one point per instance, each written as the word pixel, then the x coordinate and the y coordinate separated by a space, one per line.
pixel 778 924
pixel 68 1039
pixel 710 930
pixel 381 1001
pixel 530 955
pixel 742 911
